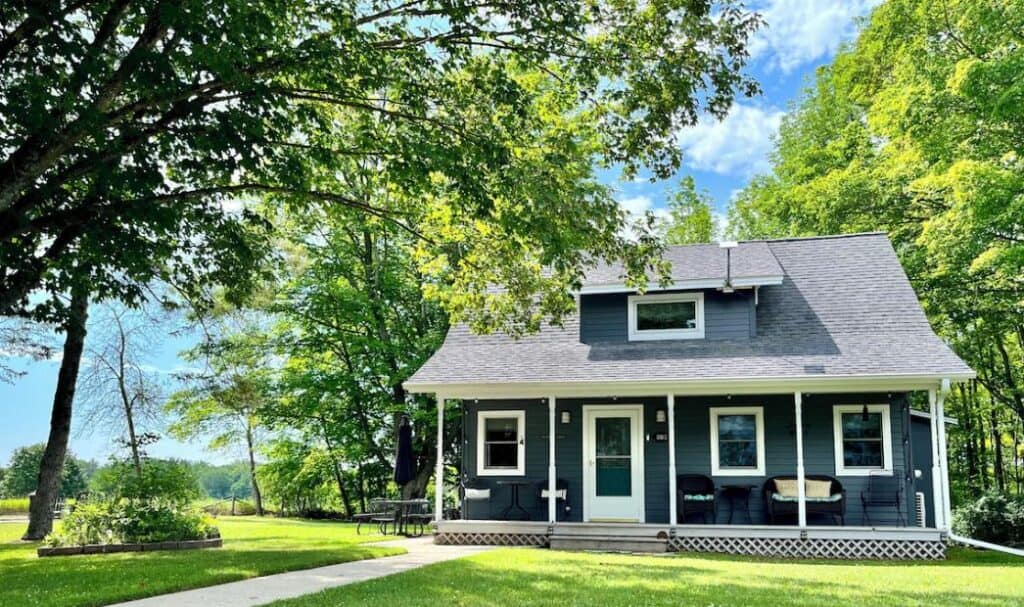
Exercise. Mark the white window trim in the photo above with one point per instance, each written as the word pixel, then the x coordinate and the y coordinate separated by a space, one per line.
pixel 695 333
pixel 837 424
pixel 758 413
pixel 520 417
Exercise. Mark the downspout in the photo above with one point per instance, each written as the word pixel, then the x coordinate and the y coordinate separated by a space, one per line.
pixel 986 545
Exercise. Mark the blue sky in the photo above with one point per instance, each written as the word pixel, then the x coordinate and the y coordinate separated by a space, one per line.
pixel 721 156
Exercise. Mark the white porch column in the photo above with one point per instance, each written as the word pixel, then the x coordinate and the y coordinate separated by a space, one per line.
pixel 938 495
pixel 672 514
pixel 552 481
pixel 940 420
pixel 800 489
pixel 439 473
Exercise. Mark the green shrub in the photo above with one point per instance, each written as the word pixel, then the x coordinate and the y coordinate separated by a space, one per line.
pixel 167 480
pixel 14 505
pixel 992 518
pixel 132 521
pixel 223 508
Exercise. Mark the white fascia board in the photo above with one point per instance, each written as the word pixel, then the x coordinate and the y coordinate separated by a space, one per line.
pixel 696 387
pixel 745 282
pixel 710 283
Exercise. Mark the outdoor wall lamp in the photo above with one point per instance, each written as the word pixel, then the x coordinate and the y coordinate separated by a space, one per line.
pixel 566 417
pixel 660 416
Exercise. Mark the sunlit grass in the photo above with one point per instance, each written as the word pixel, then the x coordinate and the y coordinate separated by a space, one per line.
pixel 252 547
pixel 543 577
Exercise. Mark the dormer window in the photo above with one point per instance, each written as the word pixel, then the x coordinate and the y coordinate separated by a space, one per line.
pixel 666 316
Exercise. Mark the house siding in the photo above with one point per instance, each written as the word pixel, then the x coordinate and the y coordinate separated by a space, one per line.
pixel 604 317
pixel 693 452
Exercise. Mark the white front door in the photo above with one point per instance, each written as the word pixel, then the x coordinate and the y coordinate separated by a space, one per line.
pixel 613 463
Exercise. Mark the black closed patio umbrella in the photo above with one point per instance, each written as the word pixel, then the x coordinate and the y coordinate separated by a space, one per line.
pixel 405 463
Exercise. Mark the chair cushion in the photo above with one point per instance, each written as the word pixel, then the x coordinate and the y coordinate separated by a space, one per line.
pixel 478 494
pixel 810 500
pixel 559 494
pixel 818 489
pixel 696 497
pixel 787 487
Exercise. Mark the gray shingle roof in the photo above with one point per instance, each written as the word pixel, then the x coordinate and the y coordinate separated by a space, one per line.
pixel 700 262
pixel 844 308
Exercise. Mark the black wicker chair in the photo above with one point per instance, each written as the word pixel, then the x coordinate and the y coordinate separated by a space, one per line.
pixel 695 494
pixel 884 490
pixel 776 508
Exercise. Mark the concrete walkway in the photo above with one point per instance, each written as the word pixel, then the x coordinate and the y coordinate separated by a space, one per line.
pixel 262 590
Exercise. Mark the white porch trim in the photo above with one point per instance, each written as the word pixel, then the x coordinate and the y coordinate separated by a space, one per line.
pixel 937 486
pixel 801 491
pixel 672 514
pixel 689 387
pixel 947 508
pixel 439 472
pixel 552 482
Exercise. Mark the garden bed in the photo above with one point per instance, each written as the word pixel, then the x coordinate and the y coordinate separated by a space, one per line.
pixel 114 548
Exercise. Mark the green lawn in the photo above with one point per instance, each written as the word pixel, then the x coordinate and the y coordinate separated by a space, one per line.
pixel 541 577
pixel 252 547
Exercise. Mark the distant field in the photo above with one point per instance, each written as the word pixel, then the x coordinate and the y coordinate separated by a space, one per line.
pixel 14 505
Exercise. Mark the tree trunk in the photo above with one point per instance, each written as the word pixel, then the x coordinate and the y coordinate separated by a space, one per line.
pixel 40 521
pixel 337 471
pixel 127 402
pixel 256 498
pixel 362 487
pixel 997 447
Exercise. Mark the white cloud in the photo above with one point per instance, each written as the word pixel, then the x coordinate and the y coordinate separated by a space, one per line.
pixel 636 205
pixel 737 145
pixel 797 32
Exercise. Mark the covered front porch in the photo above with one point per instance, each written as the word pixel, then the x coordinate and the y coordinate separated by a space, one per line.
pixel 579 471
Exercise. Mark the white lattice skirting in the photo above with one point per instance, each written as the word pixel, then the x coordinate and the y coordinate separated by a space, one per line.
pixel 491 539
pixel 814 548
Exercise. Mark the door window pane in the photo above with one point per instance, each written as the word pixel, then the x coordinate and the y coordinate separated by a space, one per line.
pixel 613 436
pixel 613 461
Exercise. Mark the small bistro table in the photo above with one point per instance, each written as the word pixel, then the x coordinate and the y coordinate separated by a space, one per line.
pixel 513 503
pixel 401 510
pixel 737 493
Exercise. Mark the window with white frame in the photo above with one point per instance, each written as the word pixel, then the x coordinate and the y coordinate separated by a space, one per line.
pixel 737 441
pixel 501 445
pixel 666 316
pixel 863 439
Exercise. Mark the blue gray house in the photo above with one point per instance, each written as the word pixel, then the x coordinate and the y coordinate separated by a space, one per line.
pixel 760 404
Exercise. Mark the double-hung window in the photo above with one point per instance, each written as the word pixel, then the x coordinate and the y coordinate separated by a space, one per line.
pixel 737 441
pixel 666 316
pixel 501 445
pixel 863 439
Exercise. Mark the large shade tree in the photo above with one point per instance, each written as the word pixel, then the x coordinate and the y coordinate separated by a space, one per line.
pixel 131 128
pixel 918 130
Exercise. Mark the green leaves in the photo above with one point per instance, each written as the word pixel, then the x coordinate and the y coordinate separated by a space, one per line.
pixel 130 127
pixel 917 130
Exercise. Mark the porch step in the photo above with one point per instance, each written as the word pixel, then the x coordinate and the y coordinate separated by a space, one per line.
pixel 608 543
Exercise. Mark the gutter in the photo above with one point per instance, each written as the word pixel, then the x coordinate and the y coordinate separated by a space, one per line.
pixel 985 545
